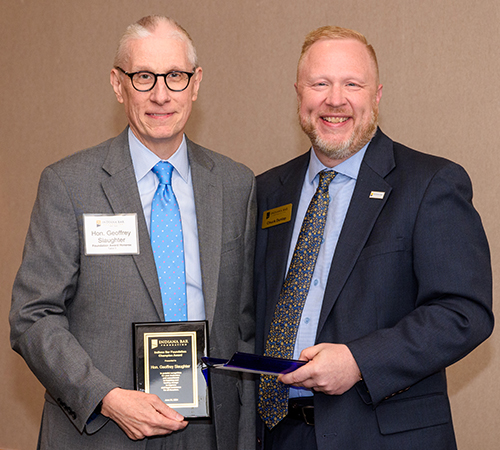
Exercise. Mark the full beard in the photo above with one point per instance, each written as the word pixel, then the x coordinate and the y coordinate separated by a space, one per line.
pixel 360 136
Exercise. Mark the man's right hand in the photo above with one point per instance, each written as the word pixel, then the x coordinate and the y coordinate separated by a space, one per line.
pixel 141 415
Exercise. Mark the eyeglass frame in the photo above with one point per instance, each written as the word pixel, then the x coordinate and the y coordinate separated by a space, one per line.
pixel 156 75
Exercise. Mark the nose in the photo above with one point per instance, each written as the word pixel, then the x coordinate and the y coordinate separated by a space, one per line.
pixel 160 94
pixel 335 97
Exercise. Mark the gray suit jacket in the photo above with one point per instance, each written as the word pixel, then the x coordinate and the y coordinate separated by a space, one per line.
pixel 71 313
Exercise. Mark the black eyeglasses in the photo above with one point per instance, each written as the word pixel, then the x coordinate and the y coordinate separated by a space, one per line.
pixel 144 81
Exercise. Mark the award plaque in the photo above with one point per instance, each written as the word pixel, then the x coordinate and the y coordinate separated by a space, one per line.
pixel 167 360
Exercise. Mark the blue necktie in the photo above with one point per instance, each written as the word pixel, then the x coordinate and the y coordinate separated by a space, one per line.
pixel 273 395
pixel 168 246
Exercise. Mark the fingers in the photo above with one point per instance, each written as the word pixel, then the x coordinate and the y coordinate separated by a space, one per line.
pixel 331 369
pixel 300 375
pixel 297 377
pixel 141 415
pixel 310 352
pixel 165 410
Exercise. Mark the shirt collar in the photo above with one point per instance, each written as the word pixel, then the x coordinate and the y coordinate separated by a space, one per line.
pixel 349 168
pixel 144 159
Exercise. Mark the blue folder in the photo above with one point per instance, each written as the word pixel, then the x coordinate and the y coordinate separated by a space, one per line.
pixel 247 362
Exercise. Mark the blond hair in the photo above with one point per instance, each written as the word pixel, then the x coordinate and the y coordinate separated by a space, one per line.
pixel 331 32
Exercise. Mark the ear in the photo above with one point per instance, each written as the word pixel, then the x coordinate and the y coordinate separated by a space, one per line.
pixel 115 79
pixel 379 93
pixel 197 77
pixel 297 92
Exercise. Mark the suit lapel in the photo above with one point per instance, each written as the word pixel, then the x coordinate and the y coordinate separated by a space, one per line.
pixel 123 195
pixel 279 236
pixel 208 198
pixel 360 219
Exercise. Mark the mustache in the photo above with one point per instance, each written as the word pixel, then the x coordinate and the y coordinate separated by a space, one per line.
pixel 335 111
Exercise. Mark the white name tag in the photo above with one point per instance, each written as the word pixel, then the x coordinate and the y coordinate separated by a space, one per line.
pixel 114 234
pixel 377 194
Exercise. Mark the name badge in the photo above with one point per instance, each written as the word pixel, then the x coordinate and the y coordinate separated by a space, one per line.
pixel 276 216
pixel 114 234
pixel 377 195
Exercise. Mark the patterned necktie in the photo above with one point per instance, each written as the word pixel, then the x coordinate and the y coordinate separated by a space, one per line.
pixel 273 395
pixel 168 246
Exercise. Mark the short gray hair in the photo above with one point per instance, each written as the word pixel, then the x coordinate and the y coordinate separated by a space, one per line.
pixel 144 28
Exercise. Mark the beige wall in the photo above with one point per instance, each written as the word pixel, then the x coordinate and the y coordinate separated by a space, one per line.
pixel 439 66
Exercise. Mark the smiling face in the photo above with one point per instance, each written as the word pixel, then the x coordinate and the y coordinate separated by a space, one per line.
pixel 338 96
pixel 157 117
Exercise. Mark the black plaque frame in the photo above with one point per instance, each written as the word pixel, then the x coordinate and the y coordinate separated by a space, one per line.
pixel 167 362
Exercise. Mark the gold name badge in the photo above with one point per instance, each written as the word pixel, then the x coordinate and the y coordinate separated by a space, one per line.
pixel 276 216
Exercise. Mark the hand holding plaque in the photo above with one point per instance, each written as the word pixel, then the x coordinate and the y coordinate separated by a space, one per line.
pixel 168 363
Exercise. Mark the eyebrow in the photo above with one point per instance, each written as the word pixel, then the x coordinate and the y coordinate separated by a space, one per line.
pixel 173 69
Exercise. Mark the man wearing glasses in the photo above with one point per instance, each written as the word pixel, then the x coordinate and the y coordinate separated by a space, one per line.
pixel 80 289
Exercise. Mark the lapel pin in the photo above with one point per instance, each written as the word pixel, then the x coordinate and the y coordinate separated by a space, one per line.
pixel 377 195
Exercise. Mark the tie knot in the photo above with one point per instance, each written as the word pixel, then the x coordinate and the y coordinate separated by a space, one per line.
pixel 325 178
pixel 163 171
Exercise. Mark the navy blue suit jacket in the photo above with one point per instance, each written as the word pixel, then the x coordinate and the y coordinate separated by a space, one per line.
pixel 409 292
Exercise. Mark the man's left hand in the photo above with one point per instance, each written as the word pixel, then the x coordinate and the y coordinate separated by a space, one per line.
pixel 331 369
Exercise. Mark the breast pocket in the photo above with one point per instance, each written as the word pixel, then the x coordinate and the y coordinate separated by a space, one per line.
pixel 385 247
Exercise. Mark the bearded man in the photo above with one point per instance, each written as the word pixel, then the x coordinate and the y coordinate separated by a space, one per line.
pixel 371 265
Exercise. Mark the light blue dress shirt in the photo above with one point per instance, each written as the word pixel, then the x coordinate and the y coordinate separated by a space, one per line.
pixel 340 190
pixel 144 160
